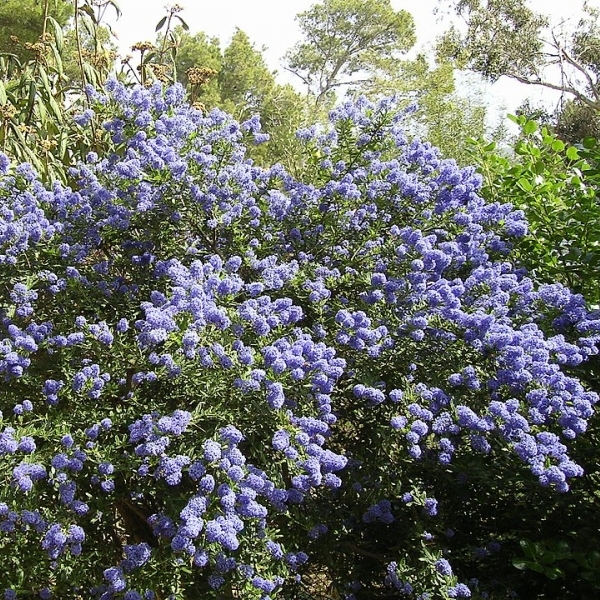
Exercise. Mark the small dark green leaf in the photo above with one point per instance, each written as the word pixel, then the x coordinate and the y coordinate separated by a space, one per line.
pixel 553 573
pixel 161 24
pixel 520 564
pixel 183 23
pixel 89 11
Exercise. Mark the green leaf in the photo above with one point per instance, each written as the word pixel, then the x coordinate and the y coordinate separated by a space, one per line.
pixel 35 161
pixel 553 573
pixel 183 23
pixel 520 564
pixel 160 24
pixel 57 33
pixel 89 11
pixel 589 143
pixel 62 144
pixel 58 68
pixel 524 184
pixel 530 127
pixel 31 97
pixel 42 111
pixel 45 82
pixel 558 146
pixel 56 110
pixel 572 153
pixel 519 120
pixel 2 94
pixel 88 24
pixel 90 74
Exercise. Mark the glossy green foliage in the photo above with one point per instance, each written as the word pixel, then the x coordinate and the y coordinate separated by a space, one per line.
pixel 557 187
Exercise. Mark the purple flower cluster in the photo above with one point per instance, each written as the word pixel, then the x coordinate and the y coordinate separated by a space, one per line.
pixel 56 541
pixel 151 432
pixel 382 511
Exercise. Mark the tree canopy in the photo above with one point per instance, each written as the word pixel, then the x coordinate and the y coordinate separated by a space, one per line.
pixel 348 41
pixel 507 38
pixel 22 23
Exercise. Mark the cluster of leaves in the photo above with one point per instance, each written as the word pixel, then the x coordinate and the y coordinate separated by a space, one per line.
pixel 39 94
pixel 556 185
pixel 225 381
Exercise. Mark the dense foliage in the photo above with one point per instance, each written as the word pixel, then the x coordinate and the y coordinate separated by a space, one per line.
pixel 22 22
pixel 556 185
pixel 224 381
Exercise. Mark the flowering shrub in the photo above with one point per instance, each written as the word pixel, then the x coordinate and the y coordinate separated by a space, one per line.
pixel 222 381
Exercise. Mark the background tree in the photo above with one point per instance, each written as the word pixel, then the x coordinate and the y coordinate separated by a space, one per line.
pixel 354 47
pixel 349 41
pixel 24 20
pixel 238 80
pixel 443 115
pixel 199 51
pixel 507 38
pixel 575 121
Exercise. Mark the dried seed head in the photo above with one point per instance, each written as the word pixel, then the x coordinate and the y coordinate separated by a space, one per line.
pixel 143 46
pixel 8 111
pixel 200 75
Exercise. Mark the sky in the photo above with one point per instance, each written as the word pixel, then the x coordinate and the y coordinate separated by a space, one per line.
pixel 270 24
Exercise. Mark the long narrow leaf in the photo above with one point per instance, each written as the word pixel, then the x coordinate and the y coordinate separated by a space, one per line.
pixel 24 148
pixel 116 7
pixel 57 33
pixel 56 110
pixel 183 23
pixel 31 98
pixel 160 24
